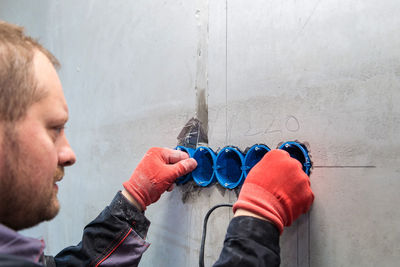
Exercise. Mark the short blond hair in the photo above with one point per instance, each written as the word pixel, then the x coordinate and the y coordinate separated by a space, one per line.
pixel 18 85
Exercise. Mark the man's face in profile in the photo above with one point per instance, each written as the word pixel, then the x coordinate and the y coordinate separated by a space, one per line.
pixel 33 154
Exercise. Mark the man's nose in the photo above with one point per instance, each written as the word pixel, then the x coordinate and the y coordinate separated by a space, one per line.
pixel 66 156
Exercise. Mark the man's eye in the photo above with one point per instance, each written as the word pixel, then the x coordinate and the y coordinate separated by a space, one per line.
pixel 58 129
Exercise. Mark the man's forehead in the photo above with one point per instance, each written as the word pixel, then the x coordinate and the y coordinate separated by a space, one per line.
pixel 48 83
pixel 45 72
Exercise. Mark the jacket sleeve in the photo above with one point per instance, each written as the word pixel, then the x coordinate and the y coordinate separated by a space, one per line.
pixel 250 242
pixel 115 238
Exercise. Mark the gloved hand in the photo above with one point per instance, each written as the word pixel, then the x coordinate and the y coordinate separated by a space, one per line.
pixel 156 173
pixel 276 189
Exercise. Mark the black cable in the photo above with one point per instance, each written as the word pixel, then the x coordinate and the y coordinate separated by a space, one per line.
pixel 203 238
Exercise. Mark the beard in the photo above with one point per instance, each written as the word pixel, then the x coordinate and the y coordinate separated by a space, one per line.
pixel 24 201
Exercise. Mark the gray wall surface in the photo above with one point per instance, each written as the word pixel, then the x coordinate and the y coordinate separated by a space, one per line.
pixel 324 72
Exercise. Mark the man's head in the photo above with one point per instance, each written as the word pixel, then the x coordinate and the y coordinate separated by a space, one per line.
pixel 33 146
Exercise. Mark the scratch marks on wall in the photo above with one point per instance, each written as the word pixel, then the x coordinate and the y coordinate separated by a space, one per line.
pixel 301 31
pixel 311 14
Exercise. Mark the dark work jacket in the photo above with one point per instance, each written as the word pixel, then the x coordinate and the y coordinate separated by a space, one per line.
pixel 250 242
pixel 117 238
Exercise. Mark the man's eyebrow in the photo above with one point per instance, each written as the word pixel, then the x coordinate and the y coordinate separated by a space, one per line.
pixel 59 120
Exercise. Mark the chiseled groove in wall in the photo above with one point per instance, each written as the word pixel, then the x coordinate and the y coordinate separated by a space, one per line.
pixel 226 72
pixel 201 86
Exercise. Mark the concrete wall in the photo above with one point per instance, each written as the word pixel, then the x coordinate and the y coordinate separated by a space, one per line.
pixel 325 72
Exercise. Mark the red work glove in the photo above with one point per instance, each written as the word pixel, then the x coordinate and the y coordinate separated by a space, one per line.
pixel 156 173
pixel 277 189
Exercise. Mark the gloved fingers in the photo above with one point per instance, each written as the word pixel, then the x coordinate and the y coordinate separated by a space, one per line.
pixel 305 194
pixel 172 156
pixel 181 168
pixel 273 159
pixel 279 157
pixel 310 201
pixel 275 154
